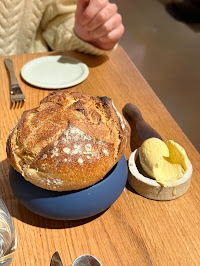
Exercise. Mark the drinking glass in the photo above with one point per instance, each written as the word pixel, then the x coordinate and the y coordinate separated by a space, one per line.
pixel 8 237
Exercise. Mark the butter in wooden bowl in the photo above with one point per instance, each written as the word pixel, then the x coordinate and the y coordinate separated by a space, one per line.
pixel 160 171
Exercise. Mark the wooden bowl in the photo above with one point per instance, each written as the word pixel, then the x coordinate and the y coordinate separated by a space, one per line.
pixel 149 188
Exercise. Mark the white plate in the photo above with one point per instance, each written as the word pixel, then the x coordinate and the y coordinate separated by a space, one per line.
pixel 54 72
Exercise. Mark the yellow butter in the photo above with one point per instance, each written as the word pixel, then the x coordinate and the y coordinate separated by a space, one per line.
pixel 164 162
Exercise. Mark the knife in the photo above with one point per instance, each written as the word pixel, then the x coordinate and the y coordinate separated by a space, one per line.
pixel 56 260
pixel 144 130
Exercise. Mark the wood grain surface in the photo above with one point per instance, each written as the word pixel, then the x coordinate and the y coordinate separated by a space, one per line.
pixel 134 230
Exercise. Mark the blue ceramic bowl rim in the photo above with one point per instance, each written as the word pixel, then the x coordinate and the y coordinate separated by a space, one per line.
pixel 96 185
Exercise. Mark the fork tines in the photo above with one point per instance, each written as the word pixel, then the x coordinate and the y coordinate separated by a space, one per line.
pixel 16 94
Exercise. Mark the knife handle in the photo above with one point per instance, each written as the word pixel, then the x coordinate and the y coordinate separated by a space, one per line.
pixel 144 130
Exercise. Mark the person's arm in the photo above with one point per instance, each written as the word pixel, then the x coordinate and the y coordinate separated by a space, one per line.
pixel 58 28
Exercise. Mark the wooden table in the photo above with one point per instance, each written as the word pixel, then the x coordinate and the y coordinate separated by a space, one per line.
pixel 134 230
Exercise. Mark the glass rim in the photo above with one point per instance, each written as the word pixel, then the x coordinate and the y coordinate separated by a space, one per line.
pixel 10 252
pixel 8 256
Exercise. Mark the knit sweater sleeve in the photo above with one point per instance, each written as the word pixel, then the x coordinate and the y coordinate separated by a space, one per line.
pixel 58 28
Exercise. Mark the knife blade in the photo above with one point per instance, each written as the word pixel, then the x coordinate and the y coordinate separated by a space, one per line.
pixel 56 260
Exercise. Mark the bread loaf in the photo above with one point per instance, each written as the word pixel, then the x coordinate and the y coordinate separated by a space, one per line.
pixel 69 142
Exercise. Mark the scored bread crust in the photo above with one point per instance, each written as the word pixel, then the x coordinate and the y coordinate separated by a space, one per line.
pixel 69 142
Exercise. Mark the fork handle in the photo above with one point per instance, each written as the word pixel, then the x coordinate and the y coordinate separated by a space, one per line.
pixel 9 64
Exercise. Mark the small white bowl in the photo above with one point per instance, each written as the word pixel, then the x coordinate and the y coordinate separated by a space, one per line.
pixel 149 187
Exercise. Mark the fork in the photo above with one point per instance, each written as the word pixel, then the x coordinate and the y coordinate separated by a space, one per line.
pixel 16 94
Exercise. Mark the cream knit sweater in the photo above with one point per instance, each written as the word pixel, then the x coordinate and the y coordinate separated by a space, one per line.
pixel 30 26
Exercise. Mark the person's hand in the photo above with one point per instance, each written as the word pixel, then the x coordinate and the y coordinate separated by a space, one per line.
pixel 97 22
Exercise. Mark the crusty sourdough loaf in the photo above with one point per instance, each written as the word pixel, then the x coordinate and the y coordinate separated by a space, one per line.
pixel 69 142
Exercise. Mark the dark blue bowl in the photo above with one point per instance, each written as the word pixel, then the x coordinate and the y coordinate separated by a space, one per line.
pixel 71 205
